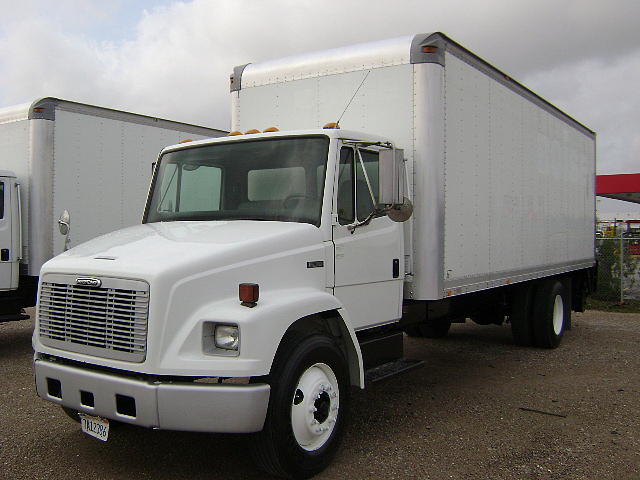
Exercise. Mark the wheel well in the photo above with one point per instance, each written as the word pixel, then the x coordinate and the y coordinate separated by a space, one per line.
pixel 332 324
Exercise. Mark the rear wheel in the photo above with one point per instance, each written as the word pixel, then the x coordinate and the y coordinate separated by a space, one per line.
pixel 307 408
pixel 521 317
pixel 552 313
pixel 437 329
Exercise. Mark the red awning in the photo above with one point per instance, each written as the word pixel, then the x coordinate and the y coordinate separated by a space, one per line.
pixel 621 187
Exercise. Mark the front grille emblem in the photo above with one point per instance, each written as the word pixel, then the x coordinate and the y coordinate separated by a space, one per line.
pixel 88 281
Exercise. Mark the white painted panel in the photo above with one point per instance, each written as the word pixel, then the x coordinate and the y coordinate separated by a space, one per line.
pixel 382 106
pixel 14 156
pixel 519 184
pixel 6 234
pixel 102 172
pixel 376 304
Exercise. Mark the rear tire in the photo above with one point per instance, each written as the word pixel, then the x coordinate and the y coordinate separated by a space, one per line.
pixel 307 410
pixel 436 329
pixel 552 313
pixel 521 317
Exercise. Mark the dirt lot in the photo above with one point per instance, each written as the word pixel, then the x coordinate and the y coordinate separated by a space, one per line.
pixel 459 417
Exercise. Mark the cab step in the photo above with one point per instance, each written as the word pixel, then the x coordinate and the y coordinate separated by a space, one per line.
pixel 391 369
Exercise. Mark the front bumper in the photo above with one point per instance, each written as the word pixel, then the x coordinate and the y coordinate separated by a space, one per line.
pixel 224 408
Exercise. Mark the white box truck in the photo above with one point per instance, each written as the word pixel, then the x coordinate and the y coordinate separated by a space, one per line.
pixel 273 271
pixel 60 156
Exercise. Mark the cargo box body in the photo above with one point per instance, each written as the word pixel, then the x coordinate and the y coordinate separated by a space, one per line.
pixel 502 181
pixel 94 162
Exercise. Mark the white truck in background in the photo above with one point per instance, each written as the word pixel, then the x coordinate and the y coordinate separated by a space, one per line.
pixel 273 271
pixel 59 156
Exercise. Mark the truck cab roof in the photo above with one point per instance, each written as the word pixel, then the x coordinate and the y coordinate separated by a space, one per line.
pixel 328 132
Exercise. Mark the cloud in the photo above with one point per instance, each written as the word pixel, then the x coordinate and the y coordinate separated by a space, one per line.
pixel 175 58
pixel 602 94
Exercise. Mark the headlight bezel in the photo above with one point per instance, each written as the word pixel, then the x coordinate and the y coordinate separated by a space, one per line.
pixel 213 332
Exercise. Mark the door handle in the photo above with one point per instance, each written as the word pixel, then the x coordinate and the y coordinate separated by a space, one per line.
pixel 4 254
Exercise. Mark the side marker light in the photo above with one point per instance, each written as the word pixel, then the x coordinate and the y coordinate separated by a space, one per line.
pixel 249 294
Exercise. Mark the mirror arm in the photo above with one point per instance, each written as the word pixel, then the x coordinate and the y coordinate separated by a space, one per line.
pixel 366 221
pixel 366 177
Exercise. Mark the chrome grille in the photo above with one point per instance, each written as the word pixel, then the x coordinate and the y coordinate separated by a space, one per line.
pixel 108 321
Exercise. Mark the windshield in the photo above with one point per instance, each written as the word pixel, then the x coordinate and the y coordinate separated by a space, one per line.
pixel 275 179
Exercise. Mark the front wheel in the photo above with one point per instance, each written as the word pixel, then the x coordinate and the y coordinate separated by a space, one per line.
pixel 307 408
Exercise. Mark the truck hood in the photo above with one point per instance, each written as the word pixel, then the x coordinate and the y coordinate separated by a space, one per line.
pixel 151 249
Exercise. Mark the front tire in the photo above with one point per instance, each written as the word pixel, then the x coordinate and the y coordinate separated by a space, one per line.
pixel 307 408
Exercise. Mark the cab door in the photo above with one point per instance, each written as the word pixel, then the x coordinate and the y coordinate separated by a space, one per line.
pixel 9 226
pixel 369 273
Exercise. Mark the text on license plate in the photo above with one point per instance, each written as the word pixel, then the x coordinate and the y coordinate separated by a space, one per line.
pixel 95 426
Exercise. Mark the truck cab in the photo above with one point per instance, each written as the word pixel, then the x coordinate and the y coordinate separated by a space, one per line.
pixel 10 245
pixel 250 247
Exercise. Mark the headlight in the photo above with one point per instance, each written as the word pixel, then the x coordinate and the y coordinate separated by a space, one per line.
pixel 227 337
pixel 220 339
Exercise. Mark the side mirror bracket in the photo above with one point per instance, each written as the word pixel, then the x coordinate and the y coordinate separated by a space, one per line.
pixel 64 225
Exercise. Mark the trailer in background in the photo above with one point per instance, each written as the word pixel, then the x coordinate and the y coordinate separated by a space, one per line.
pixel 60 156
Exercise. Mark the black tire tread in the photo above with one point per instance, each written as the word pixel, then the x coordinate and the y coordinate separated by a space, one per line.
pixel 263 445
pixel 521 317
pixel 543 308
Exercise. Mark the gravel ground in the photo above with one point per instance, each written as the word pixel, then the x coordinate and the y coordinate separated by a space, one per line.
pixel 459 417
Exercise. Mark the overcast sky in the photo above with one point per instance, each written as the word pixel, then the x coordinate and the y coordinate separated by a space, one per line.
pixel 173 59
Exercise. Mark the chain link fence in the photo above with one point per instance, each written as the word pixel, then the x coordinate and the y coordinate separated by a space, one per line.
pixel 618 267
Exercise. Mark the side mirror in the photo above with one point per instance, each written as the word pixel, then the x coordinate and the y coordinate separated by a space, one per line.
pixel 391 172
pixel 64 223
pixel 393 190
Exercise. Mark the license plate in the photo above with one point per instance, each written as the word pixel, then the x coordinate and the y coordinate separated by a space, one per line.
pixel 95 426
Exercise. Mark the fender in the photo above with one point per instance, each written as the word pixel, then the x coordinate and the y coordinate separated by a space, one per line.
pixel 262 329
